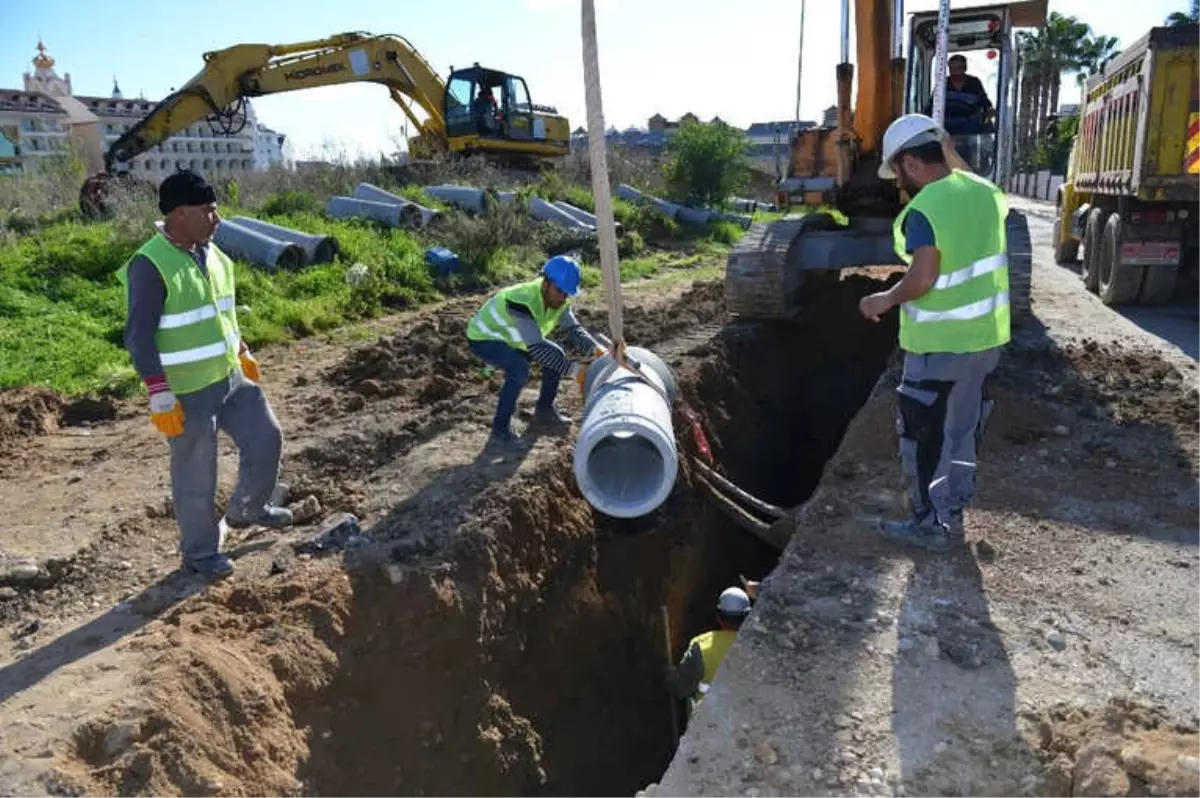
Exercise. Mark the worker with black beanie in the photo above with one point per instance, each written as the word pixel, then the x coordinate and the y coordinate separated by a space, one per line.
pixel 183 337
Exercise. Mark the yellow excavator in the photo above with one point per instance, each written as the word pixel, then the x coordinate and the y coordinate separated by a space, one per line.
pixel 476 111
pixel 835 168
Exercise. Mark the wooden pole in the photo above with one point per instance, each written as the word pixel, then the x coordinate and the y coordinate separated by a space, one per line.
pixel 666 617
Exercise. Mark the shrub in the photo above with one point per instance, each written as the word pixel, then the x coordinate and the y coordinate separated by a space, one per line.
pixel 706 164
pixel 289 202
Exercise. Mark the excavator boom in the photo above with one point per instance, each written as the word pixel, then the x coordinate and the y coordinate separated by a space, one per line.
pixel 254 70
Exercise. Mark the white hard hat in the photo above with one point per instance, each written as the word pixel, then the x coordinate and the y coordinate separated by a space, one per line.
pixel 733 601
pixel 910 130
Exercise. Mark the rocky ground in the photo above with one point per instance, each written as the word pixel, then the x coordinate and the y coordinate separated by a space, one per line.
pixel 1056 655
pixel 483 615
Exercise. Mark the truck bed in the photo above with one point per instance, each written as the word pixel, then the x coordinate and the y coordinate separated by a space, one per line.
pixel 1140 132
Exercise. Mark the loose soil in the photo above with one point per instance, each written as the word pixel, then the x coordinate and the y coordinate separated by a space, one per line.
pixel 489 633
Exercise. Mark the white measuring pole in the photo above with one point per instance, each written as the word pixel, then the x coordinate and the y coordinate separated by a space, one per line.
pixel 800 59
pixel 939 72
pixel 605 227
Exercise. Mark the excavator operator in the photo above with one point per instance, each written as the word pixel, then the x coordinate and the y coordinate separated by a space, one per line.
pixel 968 109
pixel 487 112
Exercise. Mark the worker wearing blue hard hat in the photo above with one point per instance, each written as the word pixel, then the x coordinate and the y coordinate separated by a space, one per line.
pixel 509 332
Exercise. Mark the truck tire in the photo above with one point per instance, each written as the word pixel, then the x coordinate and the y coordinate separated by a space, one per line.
pixel 1119 283
pixel 1092 234
pixel 1020 268
pixel 1159 285
pixel 1066 252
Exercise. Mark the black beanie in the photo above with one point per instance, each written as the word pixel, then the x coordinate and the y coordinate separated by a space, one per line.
pixel 185 187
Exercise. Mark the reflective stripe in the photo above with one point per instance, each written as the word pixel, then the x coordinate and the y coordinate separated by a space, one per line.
pixel 171 321
pixel 488 331
pixel 193 355
pixel 971 310
pixel 514 336
pixel 978 268
pixel 964 463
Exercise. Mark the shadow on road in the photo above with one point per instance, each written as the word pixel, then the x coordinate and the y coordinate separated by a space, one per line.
pixel 99 633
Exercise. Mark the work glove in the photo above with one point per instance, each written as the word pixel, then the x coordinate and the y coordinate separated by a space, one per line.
pixel 165 411
pixel 249 366
pixel 578 371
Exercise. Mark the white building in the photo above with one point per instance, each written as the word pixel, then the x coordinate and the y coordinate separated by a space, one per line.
pixel 40 120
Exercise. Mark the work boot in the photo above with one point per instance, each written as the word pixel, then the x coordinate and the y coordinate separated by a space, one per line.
pixel 504 441
pixel 931 537
pixel 549 418
pixel 213 568
pixel 273 517
pixel 958 527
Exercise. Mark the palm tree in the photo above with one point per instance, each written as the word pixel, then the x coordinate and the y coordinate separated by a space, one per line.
pixel 1190 18
pixel 1095 52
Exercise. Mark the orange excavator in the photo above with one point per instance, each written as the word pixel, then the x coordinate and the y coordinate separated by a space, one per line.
pixel 832 171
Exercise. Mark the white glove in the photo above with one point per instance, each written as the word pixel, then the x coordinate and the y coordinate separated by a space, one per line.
pixel 162 402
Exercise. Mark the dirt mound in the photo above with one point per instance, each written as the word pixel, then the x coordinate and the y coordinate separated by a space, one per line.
pixel 1124 748
pixel 25 412
pixel 28 411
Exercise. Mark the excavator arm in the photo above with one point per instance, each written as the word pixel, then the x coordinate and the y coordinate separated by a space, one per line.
pixel 229 76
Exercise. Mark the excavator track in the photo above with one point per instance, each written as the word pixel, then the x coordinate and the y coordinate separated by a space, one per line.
pixel 758 282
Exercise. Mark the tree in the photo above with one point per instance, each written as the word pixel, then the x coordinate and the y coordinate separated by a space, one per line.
pixel 706 163
pixel 1095 52
pixel 1190 18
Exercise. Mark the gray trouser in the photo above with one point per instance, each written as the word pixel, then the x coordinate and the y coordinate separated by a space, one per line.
pixel 239 407
pixel 940 414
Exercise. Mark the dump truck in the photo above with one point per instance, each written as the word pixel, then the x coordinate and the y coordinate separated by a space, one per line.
pixel 1133 178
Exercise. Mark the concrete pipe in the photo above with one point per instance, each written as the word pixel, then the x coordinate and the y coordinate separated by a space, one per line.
pixel 386 212
pixel 254 247
pixel 548 212
pixel 317 248
pixel 580 215
pixel 366 191
pixel 625 456
pixel 471 199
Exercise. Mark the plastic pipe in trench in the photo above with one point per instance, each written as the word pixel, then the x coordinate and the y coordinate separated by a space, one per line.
pixel 625 457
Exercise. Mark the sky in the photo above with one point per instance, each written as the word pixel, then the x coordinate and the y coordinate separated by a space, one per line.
pixel 734 58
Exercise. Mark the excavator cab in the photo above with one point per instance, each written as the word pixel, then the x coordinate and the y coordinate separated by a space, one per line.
pixel 490 111
pixel 979 43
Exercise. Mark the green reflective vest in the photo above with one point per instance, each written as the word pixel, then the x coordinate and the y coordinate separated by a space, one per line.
pixel 714 646
pixel 967 308
pixel 198 336
pixel 492 322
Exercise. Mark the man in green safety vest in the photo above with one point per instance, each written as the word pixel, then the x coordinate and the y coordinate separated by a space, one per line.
pixel 183 337
pixel 510 331
pixel 954 321
pixel 705 653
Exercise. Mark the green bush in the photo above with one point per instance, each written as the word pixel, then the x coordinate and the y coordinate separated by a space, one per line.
pixel 289 202
pixel 706 164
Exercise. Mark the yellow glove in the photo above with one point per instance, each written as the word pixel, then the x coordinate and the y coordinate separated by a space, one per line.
pixel 166 414
pixel 249 366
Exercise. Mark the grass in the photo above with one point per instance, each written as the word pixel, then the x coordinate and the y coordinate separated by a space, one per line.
pixel 62 310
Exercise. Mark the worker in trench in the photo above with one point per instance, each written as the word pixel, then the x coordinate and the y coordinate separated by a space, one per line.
pixel 183 337
pixel 693 676
pixel 954 322
pixel 509 332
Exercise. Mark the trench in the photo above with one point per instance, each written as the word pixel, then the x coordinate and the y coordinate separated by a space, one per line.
pixel 530 660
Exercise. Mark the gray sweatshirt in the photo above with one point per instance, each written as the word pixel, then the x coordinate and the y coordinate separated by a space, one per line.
pixel 147 293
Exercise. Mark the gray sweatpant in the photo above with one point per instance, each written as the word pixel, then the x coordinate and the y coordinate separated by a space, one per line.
pixel 940 413
pixel 239 407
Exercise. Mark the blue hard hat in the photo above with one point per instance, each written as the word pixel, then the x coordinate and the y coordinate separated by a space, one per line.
pixel 563 271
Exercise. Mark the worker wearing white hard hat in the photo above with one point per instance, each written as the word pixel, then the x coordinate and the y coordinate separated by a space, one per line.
pixel 954 321
pixel 704 654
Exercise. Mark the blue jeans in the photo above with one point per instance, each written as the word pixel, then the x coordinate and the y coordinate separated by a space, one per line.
pixel 515 365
